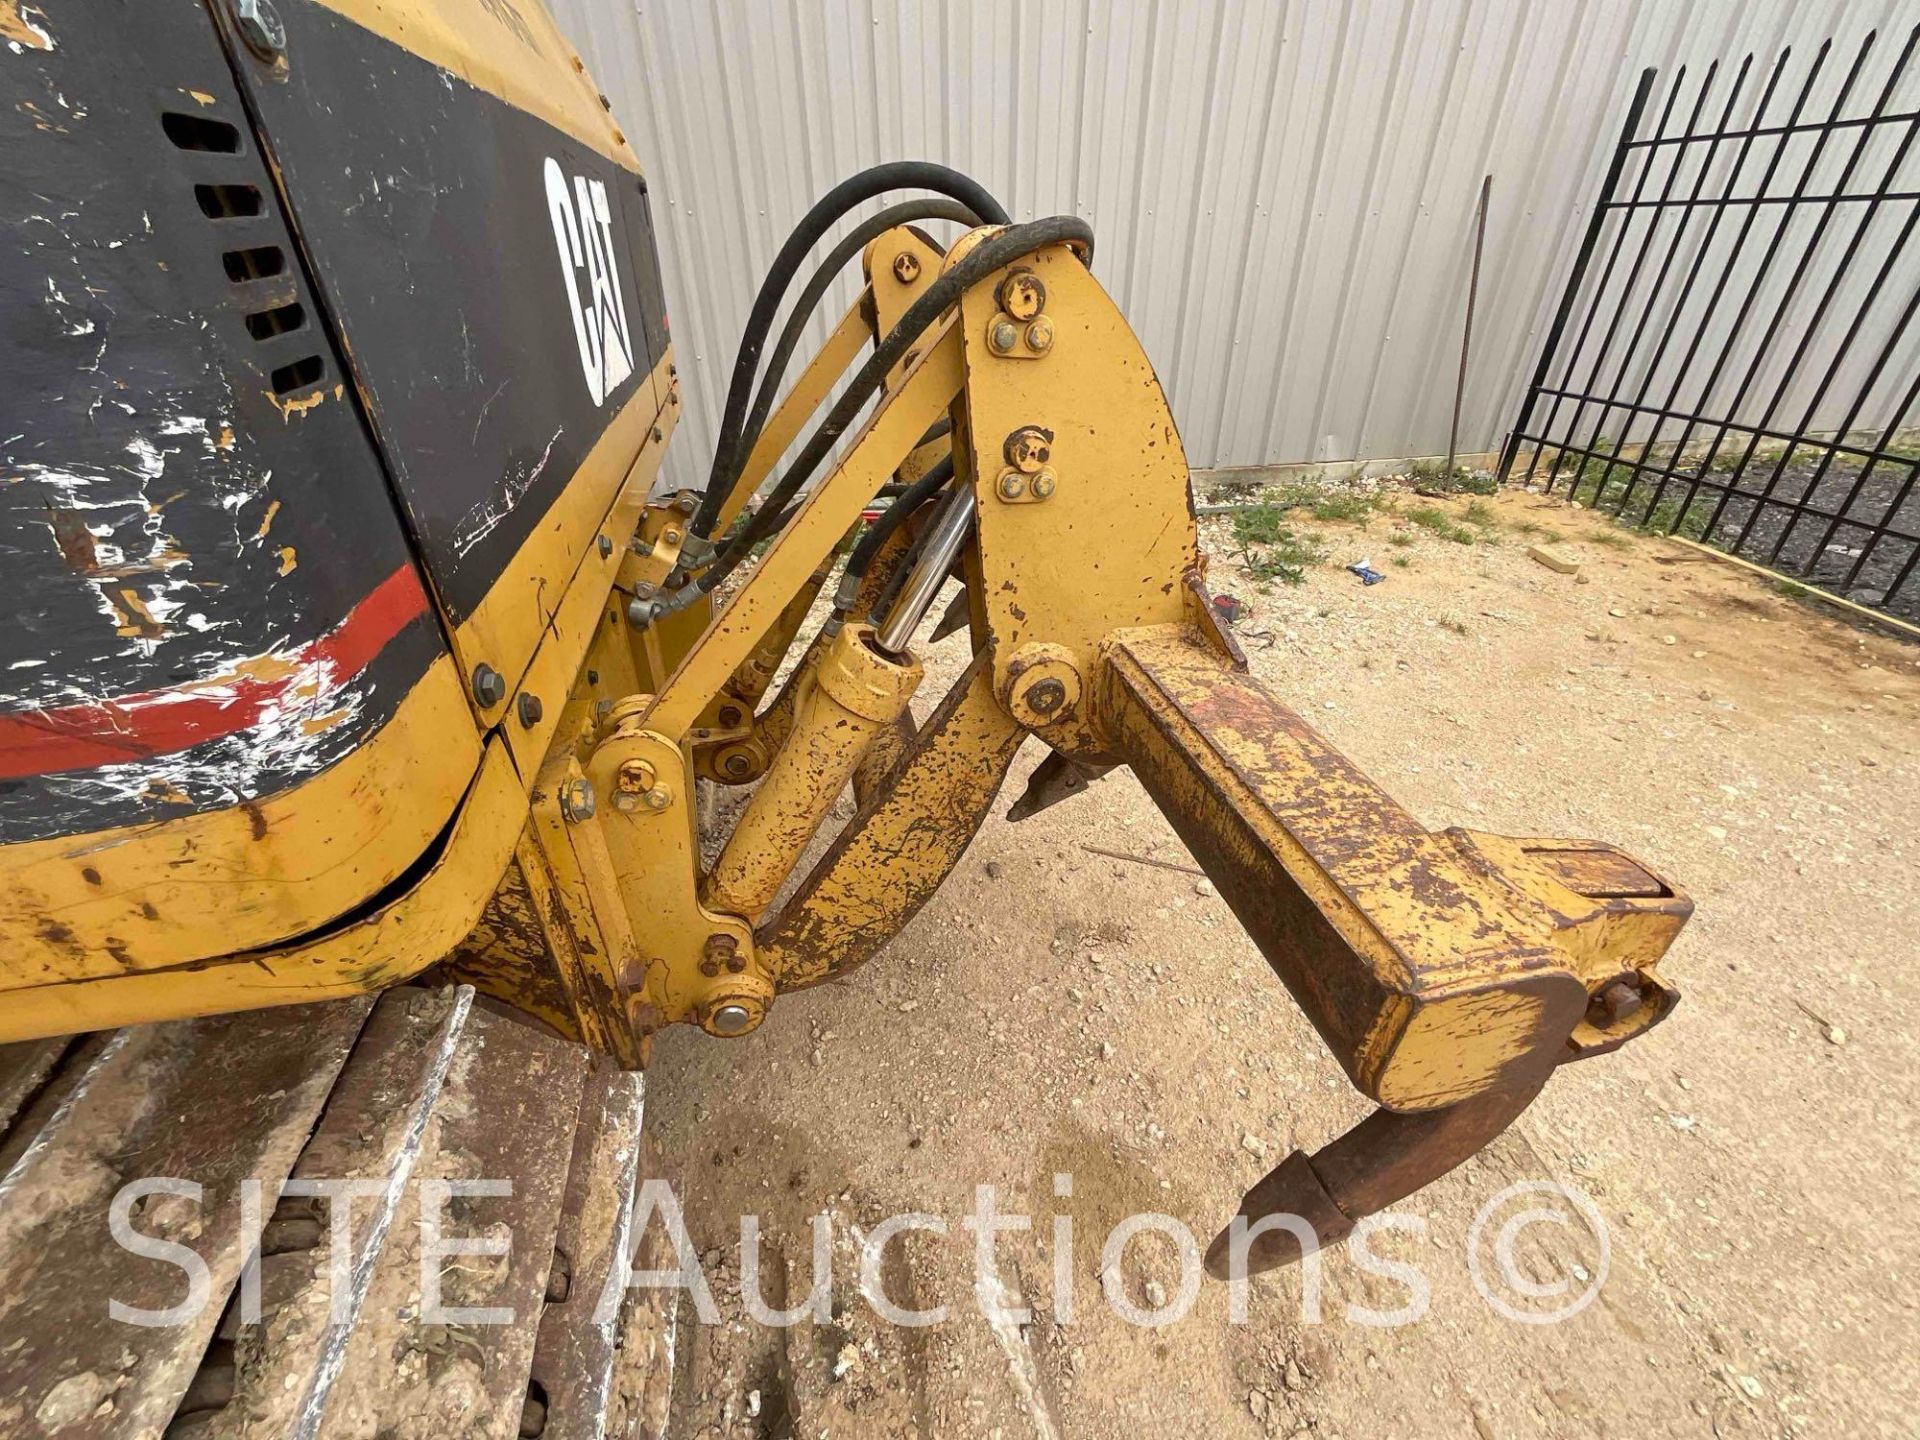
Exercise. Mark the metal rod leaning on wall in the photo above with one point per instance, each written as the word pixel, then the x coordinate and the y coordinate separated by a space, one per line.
pixel 1466 333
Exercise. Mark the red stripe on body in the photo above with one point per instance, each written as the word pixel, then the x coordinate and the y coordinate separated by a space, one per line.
pixel 160 722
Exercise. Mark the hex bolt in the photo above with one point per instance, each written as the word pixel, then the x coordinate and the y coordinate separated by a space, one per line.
pixel 906 267
pixel 657 798
pixel 489 686
pixel 261 27
pixel 720 953
pixel 1039 336
pixel 732 1020
pixel 671 535
pixel 686 504
pixel 1002 336
pixel 729 716
pixel 605 545
pixel 1012 485
pixel 632 780
pixel 576 801
pixel 529 709
pixel 736 766
pixel 1043 485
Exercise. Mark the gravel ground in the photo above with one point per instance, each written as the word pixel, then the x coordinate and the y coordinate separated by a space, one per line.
pixel 1057 1012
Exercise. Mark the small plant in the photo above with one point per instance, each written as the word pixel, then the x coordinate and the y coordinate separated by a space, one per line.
pixel 1668 518
pixel 1345 506
pixel 1531 529
pixel 1437 479
pixel 1792 589
pixel 1432 518
pixel 1269 548
pixel 1400 537
pixel 1611 539
pixel 1349 506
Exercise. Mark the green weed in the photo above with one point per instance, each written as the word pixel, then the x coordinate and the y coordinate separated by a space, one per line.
pixel 1426 475
pixel 1269 548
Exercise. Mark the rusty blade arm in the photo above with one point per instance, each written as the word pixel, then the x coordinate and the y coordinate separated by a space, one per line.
pixel 1448 972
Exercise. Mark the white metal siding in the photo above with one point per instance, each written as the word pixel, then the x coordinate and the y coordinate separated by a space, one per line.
pixel 1282 193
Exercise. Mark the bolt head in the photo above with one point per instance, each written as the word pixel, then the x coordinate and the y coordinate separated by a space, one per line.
pixel 1028 449
pixel 1040 336
pixel 1012 485
pixel 736 766
pixel 1002 336
pixel 260 26
pixel 604 543
pixel 671 535
pixel 529 709
pixel 577 801
pixel 489 686
pixel 1022 295
pixel 1043 484
pixel 732 1020
pixel 906 267
pixel 657 798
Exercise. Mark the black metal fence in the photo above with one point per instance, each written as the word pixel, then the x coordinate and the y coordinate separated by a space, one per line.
pixel 1734 358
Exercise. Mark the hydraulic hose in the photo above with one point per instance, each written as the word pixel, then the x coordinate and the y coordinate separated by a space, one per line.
pixel 908 501
pixel 985 258
pixel 837 202
pixel 803 308
pixel 989 255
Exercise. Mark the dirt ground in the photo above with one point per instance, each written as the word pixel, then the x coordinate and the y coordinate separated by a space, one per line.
pixel 1056 1012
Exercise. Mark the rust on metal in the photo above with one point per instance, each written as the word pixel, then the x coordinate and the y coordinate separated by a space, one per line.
pixel 895 852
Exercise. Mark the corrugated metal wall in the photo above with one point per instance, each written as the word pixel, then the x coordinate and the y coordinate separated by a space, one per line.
pixel 1282 192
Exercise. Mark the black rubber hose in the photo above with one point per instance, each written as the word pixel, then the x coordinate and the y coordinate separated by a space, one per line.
pixel 908 501
pixel 891 490
pixel 837 202
pixel 985 258
pixel 803 308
